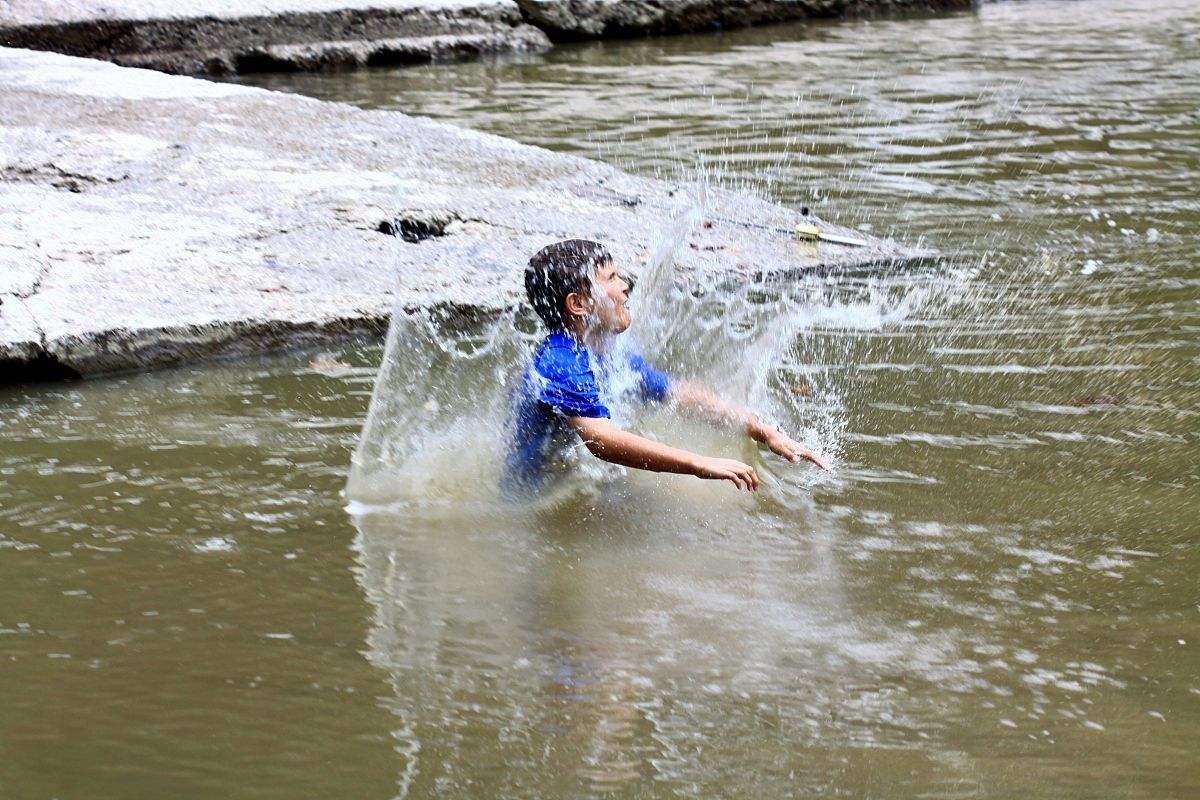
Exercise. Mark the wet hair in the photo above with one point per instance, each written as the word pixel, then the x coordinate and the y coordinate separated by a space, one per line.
pixel 557 270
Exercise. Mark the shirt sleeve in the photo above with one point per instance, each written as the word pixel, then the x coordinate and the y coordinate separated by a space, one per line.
pixel 568 385
pixel 654 385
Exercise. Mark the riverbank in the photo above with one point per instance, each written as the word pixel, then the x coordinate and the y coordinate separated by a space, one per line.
pixel 222 37
pixel 148 220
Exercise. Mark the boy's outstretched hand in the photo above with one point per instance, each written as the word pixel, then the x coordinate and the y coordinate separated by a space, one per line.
pixel 608 442
pixel 788 448
pixel 704 402
pixel 740 475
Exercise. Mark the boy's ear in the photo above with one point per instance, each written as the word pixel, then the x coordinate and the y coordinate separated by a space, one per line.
pixel 575 304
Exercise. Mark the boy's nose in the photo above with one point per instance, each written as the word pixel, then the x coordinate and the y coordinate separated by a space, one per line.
pixel 629 282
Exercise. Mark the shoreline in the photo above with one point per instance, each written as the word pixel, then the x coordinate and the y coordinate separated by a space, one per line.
pixel 226 37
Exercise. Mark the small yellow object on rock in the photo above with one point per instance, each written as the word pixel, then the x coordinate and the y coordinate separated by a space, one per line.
pixel 808 231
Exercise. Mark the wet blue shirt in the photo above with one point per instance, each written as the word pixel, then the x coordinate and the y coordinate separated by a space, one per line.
pixel 567 380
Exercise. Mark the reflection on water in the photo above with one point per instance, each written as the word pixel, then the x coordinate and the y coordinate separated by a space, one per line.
pixel 994 596
pixel 594 644
pixel 688 644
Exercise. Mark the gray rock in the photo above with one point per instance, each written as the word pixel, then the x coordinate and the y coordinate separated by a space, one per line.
pixel 226 36
pixel 151 219
pixel 229 36
pixel 566 20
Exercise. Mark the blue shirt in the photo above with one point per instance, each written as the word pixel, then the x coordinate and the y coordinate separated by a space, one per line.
pixel 568 380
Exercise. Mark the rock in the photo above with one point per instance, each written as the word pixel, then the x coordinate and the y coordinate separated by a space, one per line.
pixel 219 37
pixel 204 219
pixel 229 36
pixel 566 20
pixel 20 337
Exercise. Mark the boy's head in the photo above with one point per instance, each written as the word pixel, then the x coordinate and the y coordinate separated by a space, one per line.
pixel 574 283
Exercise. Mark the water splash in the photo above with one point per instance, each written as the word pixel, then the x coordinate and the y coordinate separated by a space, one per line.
pixel 437 426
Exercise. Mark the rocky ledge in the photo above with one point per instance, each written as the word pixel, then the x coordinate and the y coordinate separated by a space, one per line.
pixel 149 219
pixel 568 20
pixel 219 37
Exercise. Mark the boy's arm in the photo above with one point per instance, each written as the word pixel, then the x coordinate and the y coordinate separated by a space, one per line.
pixel 701 401
pixel 608 442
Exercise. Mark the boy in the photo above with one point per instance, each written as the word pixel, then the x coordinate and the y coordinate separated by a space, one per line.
pixel 578 371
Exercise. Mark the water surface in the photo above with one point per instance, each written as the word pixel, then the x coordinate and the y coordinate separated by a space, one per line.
pixel 995 595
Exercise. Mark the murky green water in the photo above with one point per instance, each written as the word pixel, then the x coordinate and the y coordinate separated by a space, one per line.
pixel 996 596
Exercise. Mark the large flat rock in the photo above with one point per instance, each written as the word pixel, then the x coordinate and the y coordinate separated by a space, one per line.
pixel 149 219
pixel 228 36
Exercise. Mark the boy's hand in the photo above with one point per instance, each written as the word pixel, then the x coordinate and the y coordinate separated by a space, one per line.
pixel 782 445
pixel 740 475
pixel 608 442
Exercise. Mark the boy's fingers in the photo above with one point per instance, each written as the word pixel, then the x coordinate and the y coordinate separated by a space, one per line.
pixel 790 450
pixel 743 477
pixel 797 453
pixel 751 479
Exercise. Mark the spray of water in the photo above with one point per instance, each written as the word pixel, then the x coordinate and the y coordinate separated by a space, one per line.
pixel 437 426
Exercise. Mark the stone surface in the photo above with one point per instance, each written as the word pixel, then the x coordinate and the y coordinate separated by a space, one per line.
pixel 592 19
pixel 230 36
pixel 227 36
pixel 150 219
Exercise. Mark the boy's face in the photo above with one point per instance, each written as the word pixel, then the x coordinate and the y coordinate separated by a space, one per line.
pixel 611 309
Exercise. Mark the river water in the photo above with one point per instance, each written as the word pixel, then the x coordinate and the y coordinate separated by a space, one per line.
pixel 994 595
